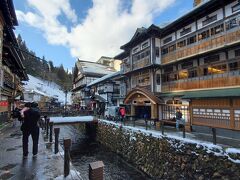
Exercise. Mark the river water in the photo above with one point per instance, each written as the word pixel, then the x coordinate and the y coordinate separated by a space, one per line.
pixel 85 150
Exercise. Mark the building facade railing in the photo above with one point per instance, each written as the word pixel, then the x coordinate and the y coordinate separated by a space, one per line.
pixel 141 63
pixel 210 81
pixel 202 46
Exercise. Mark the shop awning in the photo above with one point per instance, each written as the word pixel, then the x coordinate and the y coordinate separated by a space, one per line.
pixel 213 93
pixel 230 92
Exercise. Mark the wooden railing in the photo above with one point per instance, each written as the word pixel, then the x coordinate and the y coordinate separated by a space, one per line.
pixel 202 46
pixel 126 69
pixel 141 63
pixel 210 81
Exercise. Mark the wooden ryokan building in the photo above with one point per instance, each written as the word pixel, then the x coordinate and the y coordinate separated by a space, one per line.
pixel 12 71
pixel 192 63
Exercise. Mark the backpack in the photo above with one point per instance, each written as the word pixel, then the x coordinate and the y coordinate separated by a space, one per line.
pixel 16 113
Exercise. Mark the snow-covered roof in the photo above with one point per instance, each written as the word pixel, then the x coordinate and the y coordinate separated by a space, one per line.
pixel 104 78
pixel 94 68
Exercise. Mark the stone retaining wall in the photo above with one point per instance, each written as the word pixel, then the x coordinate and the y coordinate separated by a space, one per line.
pixel 162 157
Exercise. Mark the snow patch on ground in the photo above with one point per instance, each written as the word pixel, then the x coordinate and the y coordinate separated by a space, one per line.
pixel 47 88
pixel 217 150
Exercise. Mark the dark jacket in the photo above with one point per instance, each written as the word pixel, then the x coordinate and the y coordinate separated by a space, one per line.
pixel 178 115
pixel 31 118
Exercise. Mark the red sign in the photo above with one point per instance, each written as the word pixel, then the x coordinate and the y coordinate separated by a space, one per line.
pixel 3 103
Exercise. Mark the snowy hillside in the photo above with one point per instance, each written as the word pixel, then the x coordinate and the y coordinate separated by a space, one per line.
pixel 50 89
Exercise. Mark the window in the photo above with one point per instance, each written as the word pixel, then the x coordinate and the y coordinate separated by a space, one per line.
pixel 203 35
pixel 237 53
pixel 216 30
pixel 191 40
pixel 231 24
pixel 172 48
pixel 169 77
pixel 181 44
pixel 209 20
pixel 218 69
pixel 168 69
pixel 157 51
pixel 192 73
pixel 142 79
pixel 211 59
pixel 158 79
pixel 185 31
pixel 142 55
pixel 187 65
pixel 183 74
pixel 144 45
pixel 135 50
pixel 165 51
pixel 234 66
pixel 236 7
pixel 168 39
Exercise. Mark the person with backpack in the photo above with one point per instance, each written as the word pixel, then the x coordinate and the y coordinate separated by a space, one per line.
pixel 16 115
pixel 30 127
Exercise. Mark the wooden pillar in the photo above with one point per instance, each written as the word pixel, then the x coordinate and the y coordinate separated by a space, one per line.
pixel 56 132
pixel 232 119
pixel 188 125
pixel 154 111
pixel 132 110
pixel 67 145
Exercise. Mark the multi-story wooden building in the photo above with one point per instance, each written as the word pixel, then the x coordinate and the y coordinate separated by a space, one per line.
pixel 84 73
pixel 12 70
pixel 192 63
pixel 106 90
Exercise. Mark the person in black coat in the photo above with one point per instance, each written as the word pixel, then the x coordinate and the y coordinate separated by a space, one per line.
pixel 30 127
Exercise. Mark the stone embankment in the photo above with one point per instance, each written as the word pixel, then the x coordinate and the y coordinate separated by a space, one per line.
pixel 163 157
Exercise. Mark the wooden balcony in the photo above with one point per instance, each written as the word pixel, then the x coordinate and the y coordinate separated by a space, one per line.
pixel 126 69
pixel 210 81
pixel 142 63
pixel 212 43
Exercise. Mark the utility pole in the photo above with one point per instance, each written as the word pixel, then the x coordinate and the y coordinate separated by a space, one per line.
pixel 66 91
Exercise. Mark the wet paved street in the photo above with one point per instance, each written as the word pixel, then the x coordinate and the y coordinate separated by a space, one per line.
pixel 13 166
pixel 85 151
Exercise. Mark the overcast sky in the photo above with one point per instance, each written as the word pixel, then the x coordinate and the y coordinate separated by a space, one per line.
pixel 62 30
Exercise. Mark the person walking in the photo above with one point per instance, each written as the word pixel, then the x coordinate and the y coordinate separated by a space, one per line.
pixel 122 113
pixel 16 115
pixel 179 118
pixel 30 127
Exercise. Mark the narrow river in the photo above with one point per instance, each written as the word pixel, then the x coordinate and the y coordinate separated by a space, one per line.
pixel 84 151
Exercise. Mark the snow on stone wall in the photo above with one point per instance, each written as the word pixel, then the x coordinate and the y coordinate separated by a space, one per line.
pixel 169 157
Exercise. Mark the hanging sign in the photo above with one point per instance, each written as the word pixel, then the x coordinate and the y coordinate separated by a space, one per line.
pixel 3 103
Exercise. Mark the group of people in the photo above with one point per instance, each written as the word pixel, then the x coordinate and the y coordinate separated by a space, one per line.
pixel 29 117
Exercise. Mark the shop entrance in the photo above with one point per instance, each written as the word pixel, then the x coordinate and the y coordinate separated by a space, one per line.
pixel 141 110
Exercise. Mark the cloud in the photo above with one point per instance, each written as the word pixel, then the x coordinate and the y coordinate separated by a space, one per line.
pixel 108 24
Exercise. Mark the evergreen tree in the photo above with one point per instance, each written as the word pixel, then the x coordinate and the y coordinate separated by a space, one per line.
pixel 44 68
